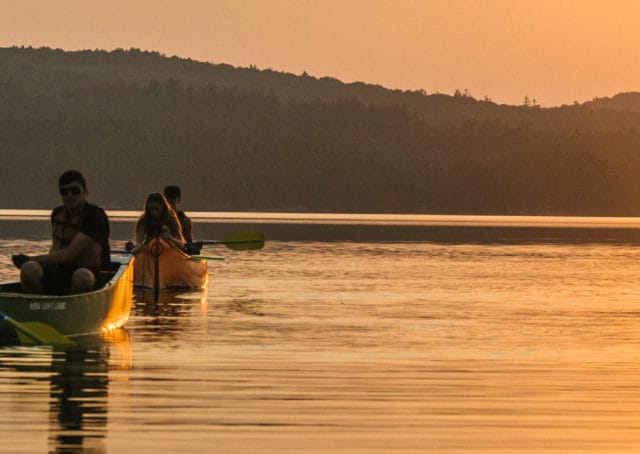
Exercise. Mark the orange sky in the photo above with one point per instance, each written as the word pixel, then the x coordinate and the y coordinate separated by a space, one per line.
pixel 554 51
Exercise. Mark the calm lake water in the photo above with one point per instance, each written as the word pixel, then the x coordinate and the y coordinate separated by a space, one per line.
pixel 358 347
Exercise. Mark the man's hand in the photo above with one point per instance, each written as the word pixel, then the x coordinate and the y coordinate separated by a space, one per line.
pixel 192 248
pixel 19 260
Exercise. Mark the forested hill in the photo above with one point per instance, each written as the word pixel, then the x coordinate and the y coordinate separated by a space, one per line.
pixel 239 139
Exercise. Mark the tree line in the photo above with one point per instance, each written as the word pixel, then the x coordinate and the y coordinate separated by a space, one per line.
pixel 244 139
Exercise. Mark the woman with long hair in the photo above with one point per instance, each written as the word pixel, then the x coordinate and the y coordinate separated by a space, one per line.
pixel 158 220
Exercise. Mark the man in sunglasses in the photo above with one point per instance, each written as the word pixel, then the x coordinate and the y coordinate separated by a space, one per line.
pixel 79 248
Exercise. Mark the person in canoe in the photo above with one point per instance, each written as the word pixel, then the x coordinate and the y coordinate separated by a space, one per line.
pixel 79 248
pixel 173 195
pixel 158 220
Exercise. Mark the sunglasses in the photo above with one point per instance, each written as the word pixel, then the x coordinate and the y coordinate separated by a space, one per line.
pixel 75 190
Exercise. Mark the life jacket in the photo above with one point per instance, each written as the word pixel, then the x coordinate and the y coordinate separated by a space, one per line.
pixel 65 226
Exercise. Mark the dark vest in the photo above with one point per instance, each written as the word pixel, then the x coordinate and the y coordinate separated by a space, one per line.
pixel 66 226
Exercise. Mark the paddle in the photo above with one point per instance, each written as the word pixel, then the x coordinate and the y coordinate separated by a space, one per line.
pixel 156 273
pixel 241 241
pixel 209 257
pixel 31 333
pixel 195 257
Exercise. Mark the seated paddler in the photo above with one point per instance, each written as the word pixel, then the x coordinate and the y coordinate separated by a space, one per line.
pixel 158 221
pixel 173 194
pixel 79 248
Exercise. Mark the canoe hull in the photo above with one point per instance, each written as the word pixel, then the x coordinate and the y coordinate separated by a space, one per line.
pixel 72 315
pixel 172 267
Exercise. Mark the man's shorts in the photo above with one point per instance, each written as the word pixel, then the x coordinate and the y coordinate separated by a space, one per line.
pixel 56 279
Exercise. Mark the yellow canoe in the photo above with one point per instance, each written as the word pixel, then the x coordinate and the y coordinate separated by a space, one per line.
pixel 171 267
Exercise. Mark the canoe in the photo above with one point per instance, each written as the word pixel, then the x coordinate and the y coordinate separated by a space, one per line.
pixel 73 315
pixel 170 266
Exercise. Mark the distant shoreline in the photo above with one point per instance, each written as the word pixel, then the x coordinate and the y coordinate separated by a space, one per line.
pixel 322 227
pixel 390 219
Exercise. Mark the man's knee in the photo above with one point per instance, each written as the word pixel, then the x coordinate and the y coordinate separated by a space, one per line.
pixel 31 271
pixel 31 277
pixel 82 281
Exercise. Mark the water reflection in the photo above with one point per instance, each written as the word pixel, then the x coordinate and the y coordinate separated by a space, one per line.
pixel 78 389
pixel 358 347
pixel 166 314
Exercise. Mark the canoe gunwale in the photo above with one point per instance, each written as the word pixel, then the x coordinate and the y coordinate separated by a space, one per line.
pixel 122 261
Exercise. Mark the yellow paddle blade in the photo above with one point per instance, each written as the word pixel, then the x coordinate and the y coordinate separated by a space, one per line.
pixel 244 241
pixel 35 333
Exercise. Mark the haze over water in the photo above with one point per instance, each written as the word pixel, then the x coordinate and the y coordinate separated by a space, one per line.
pixel 371 346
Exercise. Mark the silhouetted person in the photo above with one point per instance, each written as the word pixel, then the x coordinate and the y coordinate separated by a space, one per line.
pixel 158 220
pixel 79 248
pixel 173 195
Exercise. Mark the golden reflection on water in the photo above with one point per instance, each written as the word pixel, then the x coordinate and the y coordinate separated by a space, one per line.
pixel 68 389
pixel 366 347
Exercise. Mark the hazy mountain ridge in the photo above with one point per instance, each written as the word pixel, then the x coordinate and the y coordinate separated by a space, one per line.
pixel 629 101
pixel 249 139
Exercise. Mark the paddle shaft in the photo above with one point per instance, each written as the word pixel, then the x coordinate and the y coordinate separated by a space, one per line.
pixel 223 242
pixel 208 257
pixel 194 257
pixel 156 276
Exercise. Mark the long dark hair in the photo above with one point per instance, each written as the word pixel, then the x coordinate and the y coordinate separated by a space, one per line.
pixel 167 217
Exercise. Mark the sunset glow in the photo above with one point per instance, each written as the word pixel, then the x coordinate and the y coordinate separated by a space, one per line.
pixel 555 52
